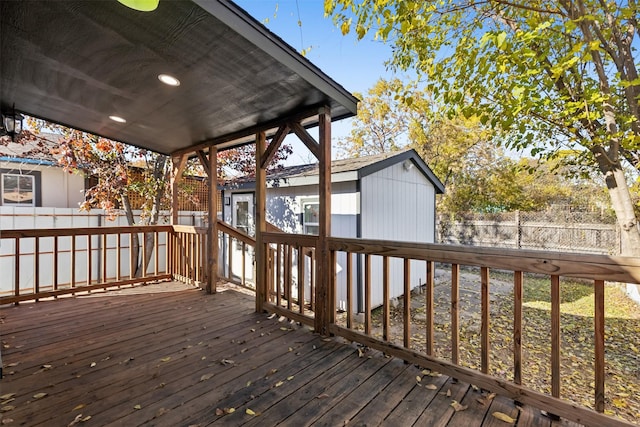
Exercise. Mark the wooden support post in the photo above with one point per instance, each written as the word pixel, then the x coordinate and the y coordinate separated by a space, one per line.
pixel 212 230
pixel 326 283
pixel 261 222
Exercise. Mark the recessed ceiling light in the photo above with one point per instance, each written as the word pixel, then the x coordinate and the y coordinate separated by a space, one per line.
pixel 118 119
pixel 169 80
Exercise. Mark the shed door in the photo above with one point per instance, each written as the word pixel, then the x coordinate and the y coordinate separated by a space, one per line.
pixel 242 213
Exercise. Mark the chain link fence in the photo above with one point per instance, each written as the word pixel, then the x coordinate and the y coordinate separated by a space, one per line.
pixel 565 230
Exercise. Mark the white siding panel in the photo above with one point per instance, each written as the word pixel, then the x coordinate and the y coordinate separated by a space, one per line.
pixel 398 204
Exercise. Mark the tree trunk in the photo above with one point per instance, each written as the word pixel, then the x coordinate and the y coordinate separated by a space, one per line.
pixel 135 242
pixel 160 175
pixel 623 207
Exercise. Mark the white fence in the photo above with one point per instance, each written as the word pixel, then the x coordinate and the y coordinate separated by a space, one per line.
pixel 14 218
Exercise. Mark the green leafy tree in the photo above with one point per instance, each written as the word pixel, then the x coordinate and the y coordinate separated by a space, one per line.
pixel 551 75
pixel 382 122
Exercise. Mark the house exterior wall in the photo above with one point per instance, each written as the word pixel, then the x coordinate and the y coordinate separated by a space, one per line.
pixel 284 207
pixel 58 189
pixel 398 203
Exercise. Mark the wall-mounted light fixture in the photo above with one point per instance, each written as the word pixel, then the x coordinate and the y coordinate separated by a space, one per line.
pixel 11 124
pixel 141 5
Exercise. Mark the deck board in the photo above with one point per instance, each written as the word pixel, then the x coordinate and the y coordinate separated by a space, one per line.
pixel 178 358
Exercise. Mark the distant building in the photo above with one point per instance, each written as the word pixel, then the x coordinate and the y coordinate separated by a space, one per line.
pixel 390 196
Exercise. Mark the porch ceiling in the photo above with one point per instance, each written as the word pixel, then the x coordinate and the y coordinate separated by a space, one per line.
pixel 79 62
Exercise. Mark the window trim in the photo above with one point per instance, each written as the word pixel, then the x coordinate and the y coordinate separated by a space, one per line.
pixel 303 203
pixel 37 190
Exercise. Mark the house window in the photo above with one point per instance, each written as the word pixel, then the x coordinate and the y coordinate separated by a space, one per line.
pixel 311 217
pixel 18 190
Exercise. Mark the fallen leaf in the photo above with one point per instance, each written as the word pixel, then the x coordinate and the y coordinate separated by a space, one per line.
pixel 165 359
pixel 137 407
pixel 75 421
pixel 11 365
pixel 503 417
pixel 7 396
pixel 206 377
pixel 279 383
pixel 448 392
pixel 229 410
pixel 248 383
pixel 93 364
pixel 271 372
pixel 87 418
pixel 219 412
pixel 46 366
pixel 249 412
pixel 426 372
pixel 458 407
pixel 271 316
pixel 161 411
pixel 39 395
pixel 282 328
pixel 290 378
pixel 435 374
pixel 431 387
pixel 7 408
pixel 78 407
pixel 6 421
pixel 322 396
pixel 226 362
pixel 418 378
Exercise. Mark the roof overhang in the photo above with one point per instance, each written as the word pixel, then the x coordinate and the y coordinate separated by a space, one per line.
pixel 78 62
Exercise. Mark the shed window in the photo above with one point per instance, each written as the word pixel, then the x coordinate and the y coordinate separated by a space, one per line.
pixel 310 217
pixel 18 190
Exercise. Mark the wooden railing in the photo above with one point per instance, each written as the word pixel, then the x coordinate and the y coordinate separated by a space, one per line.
pixel 40 263
pixel 554 266
pixel 291 275
pixel 189 254
pixel 237 250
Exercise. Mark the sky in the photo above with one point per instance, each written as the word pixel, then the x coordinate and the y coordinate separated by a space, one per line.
pixel 356 65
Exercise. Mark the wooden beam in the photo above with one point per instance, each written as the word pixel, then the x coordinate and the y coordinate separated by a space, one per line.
pixel 261 223
pixel 325 285
pixel 178 164
pixel 243 137
pixel 308 140
pixel 204 161
pixel 212 231
pixel 276 142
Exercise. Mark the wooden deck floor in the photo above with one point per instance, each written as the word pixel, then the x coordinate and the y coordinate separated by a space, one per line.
pixel 183 358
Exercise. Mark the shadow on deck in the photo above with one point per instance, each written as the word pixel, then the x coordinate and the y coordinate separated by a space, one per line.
pixel 182 358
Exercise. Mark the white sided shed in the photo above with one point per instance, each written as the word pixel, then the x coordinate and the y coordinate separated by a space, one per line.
pixel 389 196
